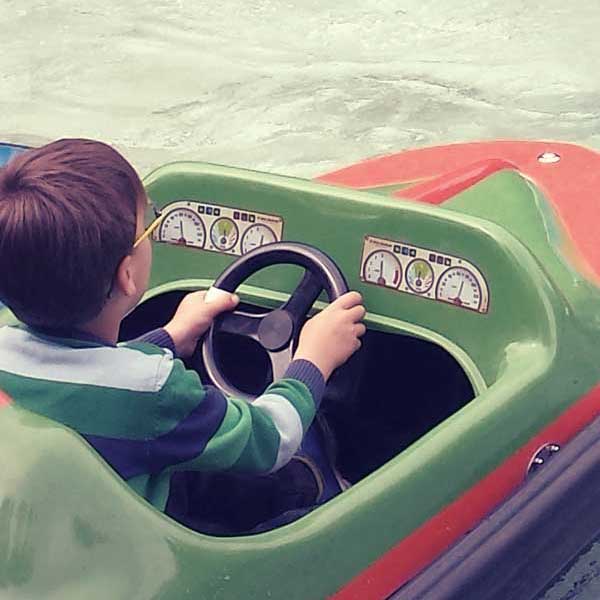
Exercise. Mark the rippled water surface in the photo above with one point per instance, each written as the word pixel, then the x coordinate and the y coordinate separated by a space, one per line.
pixel 296 87
pixel 301 87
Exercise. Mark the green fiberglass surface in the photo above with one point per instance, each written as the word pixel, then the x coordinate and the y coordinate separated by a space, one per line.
pixel 72 529
pixel 337 221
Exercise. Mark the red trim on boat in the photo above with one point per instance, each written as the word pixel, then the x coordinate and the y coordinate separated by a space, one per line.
pixel 4 399
pixel 569 183
pixel 415 552
pixel 439 189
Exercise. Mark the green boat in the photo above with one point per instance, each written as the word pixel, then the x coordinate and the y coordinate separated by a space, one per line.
pixel 470 446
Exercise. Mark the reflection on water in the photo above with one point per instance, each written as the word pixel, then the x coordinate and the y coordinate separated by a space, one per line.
pixel 301 87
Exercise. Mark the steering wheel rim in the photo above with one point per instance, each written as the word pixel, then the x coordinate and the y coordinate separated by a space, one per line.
pixel 275 330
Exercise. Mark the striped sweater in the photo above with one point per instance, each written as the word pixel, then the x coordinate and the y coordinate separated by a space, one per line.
pixel 149 416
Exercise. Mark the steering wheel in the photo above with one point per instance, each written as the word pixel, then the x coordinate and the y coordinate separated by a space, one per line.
pixel 277 330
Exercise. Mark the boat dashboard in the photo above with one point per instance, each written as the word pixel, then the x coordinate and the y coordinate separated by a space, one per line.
pixel 395 264
pixel 444 276
pixel 446 293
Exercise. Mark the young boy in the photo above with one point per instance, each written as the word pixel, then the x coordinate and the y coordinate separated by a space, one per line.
pixel 73 262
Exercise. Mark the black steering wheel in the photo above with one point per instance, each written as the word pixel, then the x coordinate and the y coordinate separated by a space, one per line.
pixel 277 330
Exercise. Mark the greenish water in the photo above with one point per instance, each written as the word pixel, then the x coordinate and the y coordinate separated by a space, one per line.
pixel 302 87
pixel 298 87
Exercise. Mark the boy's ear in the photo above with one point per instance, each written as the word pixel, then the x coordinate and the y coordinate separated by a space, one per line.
pixel 124 280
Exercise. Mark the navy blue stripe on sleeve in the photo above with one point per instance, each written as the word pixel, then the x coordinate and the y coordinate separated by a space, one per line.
pixel 306 372
pixel 159 337
pixel 184 442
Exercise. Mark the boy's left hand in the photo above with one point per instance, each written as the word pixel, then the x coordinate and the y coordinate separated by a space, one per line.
pixel 193 318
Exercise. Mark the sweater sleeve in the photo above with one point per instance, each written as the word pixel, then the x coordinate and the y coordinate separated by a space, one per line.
pixel 159 337
pixel 211 432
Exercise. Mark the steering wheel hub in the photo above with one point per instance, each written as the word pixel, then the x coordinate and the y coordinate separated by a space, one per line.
pixel 275 330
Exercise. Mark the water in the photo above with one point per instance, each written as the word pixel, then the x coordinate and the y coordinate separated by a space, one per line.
pixel 301 87
pixel 296 87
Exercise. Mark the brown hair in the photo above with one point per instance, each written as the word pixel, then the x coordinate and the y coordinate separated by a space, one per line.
pixel 67 219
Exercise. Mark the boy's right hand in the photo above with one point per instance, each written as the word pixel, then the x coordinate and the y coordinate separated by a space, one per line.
pixel 329 338
pixel 193 318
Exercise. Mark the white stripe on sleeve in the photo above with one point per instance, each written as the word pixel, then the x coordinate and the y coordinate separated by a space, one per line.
pixel 27 355
pixel 287 422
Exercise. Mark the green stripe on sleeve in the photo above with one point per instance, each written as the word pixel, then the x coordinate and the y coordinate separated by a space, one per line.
pixel 298 395
pixel 246 441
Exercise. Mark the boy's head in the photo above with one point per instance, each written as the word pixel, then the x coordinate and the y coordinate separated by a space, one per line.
pixel 70 212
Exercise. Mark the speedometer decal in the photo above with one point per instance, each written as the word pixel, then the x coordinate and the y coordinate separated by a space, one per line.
pixel 217 228
pixel 424 273
pixel 184 227
pixel 460 287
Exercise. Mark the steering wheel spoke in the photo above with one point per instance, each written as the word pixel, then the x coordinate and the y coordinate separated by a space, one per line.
pixel 280 361
pixel 303 297
pixel 240 323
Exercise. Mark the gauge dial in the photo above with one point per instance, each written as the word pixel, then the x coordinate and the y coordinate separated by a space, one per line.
pixel 257 235
pixel 224 234
pixel 419 276
pixel 383 268
pixel 182 226
pixel 459 286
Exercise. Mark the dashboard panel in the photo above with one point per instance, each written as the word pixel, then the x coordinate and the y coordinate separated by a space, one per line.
pixel 217 228
pixel 438 250
pixel 424 272
pixel 393 264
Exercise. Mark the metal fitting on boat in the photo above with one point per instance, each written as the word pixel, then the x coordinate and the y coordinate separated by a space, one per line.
pixel 541 457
